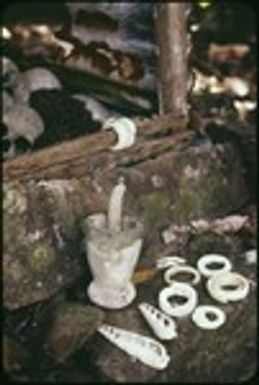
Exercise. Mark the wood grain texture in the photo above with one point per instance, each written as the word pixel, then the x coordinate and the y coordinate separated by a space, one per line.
pixel 79 156
pixel 170 21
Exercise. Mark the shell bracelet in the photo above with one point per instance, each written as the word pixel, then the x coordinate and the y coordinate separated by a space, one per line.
pixel 178 289
pixel 208 260
pixel 228 287
pixel 174 270
pixel 202 317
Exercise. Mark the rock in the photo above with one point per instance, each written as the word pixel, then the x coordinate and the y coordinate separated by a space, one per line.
pixel 211 243
pixel 41 219
pixel 202 181
pixel 14 355
pixel 210 178
pixel 114 363
pixel 73 324
pixel 39 257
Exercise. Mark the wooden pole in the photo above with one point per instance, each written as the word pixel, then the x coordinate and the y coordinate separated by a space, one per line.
pixel 79 156
pixel 171 31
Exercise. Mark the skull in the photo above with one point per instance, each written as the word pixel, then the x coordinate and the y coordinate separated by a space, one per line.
pixel 13 82
pixel 10 73
pixel 40 78
pixel 24 125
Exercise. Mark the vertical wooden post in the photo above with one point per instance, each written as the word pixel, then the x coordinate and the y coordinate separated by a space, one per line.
pixel 171 31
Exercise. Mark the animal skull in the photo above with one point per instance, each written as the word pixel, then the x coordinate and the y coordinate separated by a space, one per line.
pixel 22 122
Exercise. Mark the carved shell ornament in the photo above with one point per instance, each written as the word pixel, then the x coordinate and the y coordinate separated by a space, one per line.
pixel 202 317
pixel 170 274
pixel 179 289
pixel 206 262
pixel 145 349
pixel 165 262
pixel 163 326
pixel 228 287
pixel 125 129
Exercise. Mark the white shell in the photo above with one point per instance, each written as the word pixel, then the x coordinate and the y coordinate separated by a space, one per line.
pixel 161 324
pixel 174 270
pixel 236 86
pixel 165 262
pixel 39 78
pixel 216 284
pixel 6 33
pixel 125 129
pixel 251 256
pixel 145 349
pixel 208 259
pixel 201 319
pixel 179 289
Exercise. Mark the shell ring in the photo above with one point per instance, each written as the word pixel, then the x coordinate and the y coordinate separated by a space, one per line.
pixel 228 287
pixel 201 318
pixel 205 261
pixel 125 129
pixel 178 289
pixel 172 271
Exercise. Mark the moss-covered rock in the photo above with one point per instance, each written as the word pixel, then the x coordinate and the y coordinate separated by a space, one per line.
pixel 14 198
pixel 42 257
pixel 154 207
pixel 195 197
pixel 39 259
pixel 204 188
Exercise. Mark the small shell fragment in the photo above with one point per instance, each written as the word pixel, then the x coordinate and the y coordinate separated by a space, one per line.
pixel 147 350
pixel 6 33
pixel 236 86
pixel 201 317
pixel 228 287
pixel 182 290
pixel 251 256
pixel 165 262
pixel 161 324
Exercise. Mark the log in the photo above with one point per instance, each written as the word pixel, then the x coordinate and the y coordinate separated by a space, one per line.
pixel 77 157
pixel 170 22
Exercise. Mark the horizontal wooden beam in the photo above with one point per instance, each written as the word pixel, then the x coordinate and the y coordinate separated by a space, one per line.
pixel 72 158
